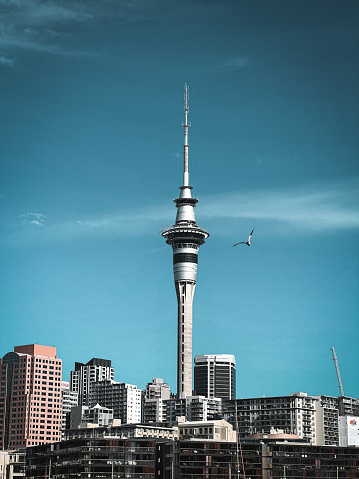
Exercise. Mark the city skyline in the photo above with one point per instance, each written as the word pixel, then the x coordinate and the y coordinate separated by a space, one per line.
pixel 91 148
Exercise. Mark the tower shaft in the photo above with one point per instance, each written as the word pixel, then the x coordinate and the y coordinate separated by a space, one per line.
pixel 185 237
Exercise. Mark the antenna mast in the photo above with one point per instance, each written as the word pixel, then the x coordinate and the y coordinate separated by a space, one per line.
pixel 337 370
pixel 186 125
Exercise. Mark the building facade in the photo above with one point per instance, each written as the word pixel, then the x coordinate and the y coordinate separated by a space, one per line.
pixel 215 375
pixel 86 374
pixel 185 237
pixel 294 414
pixel 157 389
pixel 349 431
pixel 192 408
pixel 153 410
pixel 30 397
pixel 70 399
pixel 97 415
pixel 124 399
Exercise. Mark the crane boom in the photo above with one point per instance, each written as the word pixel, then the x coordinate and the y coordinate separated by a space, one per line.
pixel 337 370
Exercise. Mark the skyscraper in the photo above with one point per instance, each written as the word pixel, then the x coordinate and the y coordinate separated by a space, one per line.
pixel 185 237
pixel 30 397
pixel 215 375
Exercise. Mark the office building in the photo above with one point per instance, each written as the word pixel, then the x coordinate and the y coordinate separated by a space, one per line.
pixel 86 374
pixel 30 397
pixel 124 399
pixel 185 237
pixel 215 375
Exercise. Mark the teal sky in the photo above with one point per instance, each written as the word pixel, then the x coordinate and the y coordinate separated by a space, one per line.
pixel 91 111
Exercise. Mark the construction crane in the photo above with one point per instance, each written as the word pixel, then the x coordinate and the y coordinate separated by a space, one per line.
pixel 337 370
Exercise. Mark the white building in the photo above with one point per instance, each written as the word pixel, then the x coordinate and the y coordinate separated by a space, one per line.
pixel 348 431
pixel 98 415
pixel 70 399
pixel 158 389
pixel 86 374
pixel 124 399
pixel 153 406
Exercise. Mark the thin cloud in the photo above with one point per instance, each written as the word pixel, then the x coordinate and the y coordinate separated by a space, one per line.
pixel 314 207
pixel 37 219
pixel 6 61
pixel 44 25
pixel 231 64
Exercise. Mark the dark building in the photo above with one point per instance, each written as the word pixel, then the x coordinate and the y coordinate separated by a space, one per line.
pixel 261 460
pixel 189 459
pixel 92 457
pixel 215 375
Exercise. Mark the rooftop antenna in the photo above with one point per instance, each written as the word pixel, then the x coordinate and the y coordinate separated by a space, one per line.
pixel 337 370
pixel 186 125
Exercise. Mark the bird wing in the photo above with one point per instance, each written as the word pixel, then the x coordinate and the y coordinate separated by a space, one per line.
pixel 241 242
pixel 249 237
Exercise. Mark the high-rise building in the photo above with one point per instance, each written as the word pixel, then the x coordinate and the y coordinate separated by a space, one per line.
pixel 185 237
pixel 124 399
pixel 86 374
pixel 215 375
pixel 30 397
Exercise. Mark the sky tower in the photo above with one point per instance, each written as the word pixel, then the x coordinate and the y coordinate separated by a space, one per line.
pixel 185 237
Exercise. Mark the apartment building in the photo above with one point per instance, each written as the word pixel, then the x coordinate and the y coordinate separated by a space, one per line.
pixel 327 420
pixel 294 414
pixel 153 410
pixel 124 399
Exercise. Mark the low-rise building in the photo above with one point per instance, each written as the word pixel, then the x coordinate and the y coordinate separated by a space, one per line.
pixel 98 415
pixel 219 430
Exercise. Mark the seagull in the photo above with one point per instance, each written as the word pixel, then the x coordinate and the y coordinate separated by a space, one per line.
pixel 248 242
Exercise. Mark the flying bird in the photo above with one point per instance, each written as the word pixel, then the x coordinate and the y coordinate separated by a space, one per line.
pixel 248 242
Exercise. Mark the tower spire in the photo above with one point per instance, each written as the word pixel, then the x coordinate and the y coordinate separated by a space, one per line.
pixel 185 146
